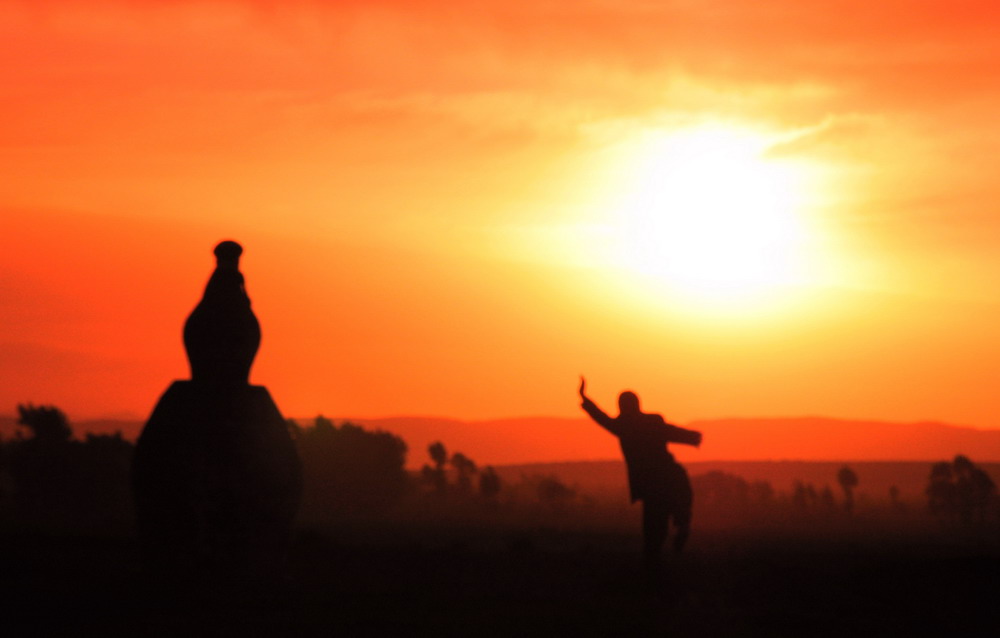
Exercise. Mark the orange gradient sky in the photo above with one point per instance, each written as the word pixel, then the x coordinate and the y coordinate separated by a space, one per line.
pixel 735 209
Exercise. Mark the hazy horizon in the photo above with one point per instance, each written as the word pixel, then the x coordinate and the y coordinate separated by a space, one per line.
pixel 528 440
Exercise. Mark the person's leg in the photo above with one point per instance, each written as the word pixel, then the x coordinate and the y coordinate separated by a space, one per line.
pixel 682 511
pixel 655 518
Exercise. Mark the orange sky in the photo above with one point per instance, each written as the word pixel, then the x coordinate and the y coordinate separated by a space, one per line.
pixel 431 195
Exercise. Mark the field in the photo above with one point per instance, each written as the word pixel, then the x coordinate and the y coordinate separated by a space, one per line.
pixel 543 573
pixel 607 479
pixel 554 552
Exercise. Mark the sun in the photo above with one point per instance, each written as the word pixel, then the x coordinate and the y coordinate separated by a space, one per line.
pixel 705 211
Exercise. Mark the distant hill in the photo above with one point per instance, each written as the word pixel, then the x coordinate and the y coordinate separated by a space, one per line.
pixel 819 438
pixel 501 442
pixel 550 439
pixel 545 439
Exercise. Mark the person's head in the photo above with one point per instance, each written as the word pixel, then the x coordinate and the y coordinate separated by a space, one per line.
pixel 628 402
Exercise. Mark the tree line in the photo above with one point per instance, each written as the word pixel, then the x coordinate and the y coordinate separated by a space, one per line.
pixel 50 478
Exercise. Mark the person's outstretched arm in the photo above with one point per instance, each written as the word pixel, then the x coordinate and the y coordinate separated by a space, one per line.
pixel 596 413
pixel 677 434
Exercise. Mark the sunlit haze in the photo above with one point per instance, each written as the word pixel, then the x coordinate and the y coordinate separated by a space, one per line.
pixel 449 209
pixel 705 212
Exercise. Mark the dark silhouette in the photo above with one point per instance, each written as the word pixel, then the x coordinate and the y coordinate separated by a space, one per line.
pixel 800 494
pixel 826 498
pixel 349 468
pixel 805 495
pixel 216 478
pixel 975 490
pixel 654 477
pixel 941 494
pixel 48 424
pixel 848 480
pixel 762 492
pixel 221 336
pixel 435 476
pixel 960 490
pixel 723 489
pixel 464 469
pixel 438 453
pixel 489 483
pixel 552 492
pixel 58 482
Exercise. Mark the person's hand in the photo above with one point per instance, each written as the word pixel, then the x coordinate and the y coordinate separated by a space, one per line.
pixel 583 387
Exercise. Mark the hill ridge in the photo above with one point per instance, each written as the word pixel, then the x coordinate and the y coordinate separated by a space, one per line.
pixel 544 439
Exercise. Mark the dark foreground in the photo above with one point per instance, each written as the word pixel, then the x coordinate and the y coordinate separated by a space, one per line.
pixel 538 583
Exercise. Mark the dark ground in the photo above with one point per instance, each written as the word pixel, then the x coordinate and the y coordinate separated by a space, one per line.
pixel 533 583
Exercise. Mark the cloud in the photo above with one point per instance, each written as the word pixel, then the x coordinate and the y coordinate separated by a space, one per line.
pixel 831 135
pixel 552 66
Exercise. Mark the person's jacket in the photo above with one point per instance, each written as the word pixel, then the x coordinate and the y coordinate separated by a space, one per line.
pixel 644 438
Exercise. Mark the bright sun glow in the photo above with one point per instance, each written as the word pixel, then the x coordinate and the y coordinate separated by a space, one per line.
pixel 707 213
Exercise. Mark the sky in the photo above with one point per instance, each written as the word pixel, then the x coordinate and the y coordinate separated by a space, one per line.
pixel 455 209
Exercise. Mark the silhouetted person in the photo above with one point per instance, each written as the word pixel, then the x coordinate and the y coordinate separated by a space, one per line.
pixel 654 477
pixel 216 476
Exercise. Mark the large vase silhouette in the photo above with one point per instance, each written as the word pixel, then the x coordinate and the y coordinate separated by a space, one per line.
pixel 216 477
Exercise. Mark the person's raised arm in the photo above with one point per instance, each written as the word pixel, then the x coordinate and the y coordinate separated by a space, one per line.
pixel 596 413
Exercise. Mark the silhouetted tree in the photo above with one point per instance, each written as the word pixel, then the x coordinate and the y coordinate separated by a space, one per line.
pixel 464 469
pixel 800 495
pixel 805 495
pixel 941 494
pixel 826 497
pixel 489 483
pixel 294 429
pixel 350 467
pixel 974 489
pixel 761 492
pixel 438 454
pixel 47 423
pixel 435 476
pixel 107 461
pixel 44 468
pixel 721 489
pixel 553 492
pixel 960 490
pixel 56 481
pixel 811 494
pixel 848 480
pixel 323 426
